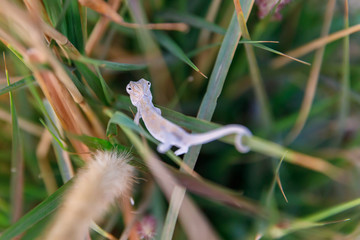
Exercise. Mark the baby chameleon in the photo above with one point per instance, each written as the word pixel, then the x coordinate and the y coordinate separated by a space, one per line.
pixel 170 134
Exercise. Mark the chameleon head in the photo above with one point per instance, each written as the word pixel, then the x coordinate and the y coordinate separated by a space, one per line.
pixel 139 90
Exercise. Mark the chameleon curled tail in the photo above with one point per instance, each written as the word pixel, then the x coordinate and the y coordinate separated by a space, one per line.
pixel 239 130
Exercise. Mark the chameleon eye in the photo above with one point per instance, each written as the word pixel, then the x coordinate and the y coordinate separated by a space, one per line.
pixel 129 88
pixel 149 83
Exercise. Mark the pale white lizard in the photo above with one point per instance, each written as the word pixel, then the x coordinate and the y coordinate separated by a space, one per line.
pixel 170 134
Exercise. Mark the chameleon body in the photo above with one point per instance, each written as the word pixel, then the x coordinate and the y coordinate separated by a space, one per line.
pixel 170 134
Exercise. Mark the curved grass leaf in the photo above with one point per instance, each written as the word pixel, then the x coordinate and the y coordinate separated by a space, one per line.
pixel 258 45
pixel 257 144
pixel 92 80
pixel 109 96
pixel 172 47
pixel 45 208
pixel 112 65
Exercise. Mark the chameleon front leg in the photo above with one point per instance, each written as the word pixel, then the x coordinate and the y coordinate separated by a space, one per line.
pixel 137 117
pixel 158 110
pixel 163 147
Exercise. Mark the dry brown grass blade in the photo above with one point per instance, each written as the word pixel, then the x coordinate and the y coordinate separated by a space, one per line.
pixel 318 43
pixel 69 115
pixel 281 187
pixel 104 8
pixel 100 28
pixel 313 78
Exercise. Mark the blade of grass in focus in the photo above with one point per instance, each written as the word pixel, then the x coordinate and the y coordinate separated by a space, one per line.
pixel 171 46
pixel 208 105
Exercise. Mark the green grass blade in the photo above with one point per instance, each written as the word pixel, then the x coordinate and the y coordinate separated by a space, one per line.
pixel 109 96
pixel 61 20
pixel 74 26
pixel 208 104
pixel 78 83
pixel 54 9
pixel 16 85
pixel 55 137
pixel 17 161
pixel 91 78
pixel 111 65
pixel 258 45
pixel 218 76
pixel 94 142
pixel 172 47
pixel 45 208
pixel 216 82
